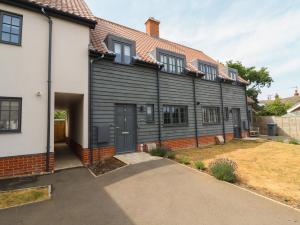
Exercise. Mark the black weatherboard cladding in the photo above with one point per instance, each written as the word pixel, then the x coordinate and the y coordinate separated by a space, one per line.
pixel 134 84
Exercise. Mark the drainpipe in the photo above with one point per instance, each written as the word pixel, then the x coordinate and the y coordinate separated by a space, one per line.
pixel 222 110
pixel 49 89
pixel 90 110
pixel 195 111
pixel 247 113
pixel 158 105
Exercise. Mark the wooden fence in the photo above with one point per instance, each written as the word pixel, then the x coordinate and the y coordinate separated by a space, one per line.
pixel 287 125
pixel 59 130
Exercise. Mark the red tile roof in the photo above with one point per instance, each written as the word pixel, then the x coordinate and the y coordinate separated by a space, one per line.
pixel 72 7
pixel 145 44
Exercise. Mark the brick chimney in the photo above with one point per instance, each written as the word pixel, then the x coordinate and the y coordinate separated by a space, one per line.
pixel 152 27
pixel 296 93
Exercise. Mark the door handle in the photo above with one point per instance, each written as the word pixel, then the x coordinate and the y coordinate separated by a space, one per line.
pixel 125 132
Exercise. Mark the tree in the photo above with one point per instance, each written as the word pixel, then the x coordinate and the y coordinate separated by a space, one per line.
pixel 58 115
pixel 275 108
pixel 258 78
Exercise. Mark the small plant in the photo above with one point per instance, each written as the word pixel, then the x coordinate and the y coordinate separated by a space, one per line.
pixel 184 160
pixel 281 140
pixel 294 142
pixel 170 155
pixel 199 165
pixel 224 169
pixel 161 152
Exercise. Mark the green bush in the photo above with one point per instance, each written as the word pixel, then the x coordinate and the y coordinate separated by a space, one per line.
pixel 199 165
pixel 170 155
pixel 184 160
pixel 294 142
pixel 224 169
pixel 161 152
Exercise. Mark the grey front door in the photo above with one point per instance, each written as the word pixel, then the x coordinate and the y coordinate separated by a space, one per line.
pixel 236 119
pixel 125 128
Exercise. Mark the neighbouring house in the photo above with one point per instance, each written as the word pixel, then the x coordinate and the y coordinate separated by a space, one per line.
pixel 294 101
pixel 26 144
pixel 123 90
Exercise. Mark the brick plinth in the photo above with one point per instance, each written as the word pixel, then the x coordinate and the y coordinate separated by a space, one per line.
pixel 179 143
pixel 25 165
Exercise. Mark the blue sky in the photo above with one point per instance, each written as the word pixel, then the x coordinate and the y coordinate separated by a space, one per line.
pixel 261 33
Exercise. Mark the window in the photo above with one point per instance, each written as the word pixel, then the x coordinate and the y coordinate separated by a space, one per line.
pixel 10 114
pixel 211 115
pixel 226 113
pixel 123 52
pixel 171 63
pixel 209 71
pixel 175 115
pixel 150 113
pixel 10 28
pixel 232 75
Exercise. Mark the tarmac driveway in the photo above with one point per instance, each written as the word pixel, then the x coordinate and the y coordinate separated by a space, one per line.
pixel 157 192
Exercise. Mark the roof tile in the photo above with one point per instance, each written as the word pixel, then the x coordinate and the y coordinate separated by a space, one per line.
pixel 145 44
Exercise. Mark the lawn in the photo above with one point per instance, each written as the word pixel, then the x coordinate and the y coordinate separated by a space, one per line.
pixel 269 167
pixel 23 196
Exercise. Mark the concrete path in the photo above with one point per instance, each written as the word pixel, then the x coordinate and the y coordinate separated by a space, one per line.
pixel 135 158
pixel 65 158
pixel 158 192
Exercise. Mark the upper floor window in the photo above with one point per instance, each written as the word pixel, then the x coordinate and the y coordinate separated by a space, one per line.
pixel 232 74
pixel 172 64
pixel 123 52
pixel 10 28
pixel 209 71
pixel 10 114
pixel 175 115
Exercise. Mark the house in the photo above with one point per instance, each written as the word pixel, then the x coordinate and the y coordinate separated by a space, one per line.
pixel 26 125
pixel 294 101
pixel 124 90
pixel 146 89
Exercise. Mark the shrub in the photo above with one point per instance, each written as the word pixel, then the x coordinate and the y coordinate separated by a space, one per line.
pixel 161 152
pixel 170 155
pixel 184 160
pixel 224 169
pixel 199 165
pixel 294 142
pixel 281 140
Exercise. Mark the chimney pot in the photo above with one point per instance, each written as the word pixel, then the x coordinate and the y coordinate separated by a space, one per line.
pixel 152 27
pixel 296 93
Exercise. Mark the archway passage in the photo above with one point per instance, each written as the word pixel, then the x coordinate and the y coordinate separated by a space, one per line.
pixel 68 122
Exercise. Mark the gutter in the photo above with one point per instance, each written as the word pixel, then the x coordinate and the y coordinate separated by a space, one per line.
pixel 49 90
pixel 195 112
pixel 222 110
pixel 158 104
pixel 90 109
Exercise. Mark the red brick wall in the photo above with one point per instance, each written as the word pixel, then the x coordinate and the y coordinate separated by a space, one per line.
pixel 25 165
pixel 180 143
pixel 84 153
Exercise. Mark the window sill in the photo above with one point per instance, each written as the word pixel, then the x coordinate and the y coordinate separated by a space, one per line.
pixel 211 124
pixel 175 125
pixel 11 43
pixel 10 131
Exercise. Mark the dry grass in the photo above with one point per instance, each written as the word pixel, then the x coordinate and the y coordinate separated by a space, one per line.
pixel 23 196
pixel 269 167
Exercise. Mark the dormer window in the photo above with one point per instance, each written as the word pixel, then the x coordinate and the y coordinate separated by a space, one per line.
pixel 123 48
pixel 123 53
pixel 173 63
pixel 210 71
pixel 232 73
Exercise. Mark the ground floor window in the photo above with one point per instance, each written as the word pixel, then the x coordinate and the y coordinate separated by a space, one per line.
pixel 211 115
pixel 175 115
pixel 150 113
pixel 10 114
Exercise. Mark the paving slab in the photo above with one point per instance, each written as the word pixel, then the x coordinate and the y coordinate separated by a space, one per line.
pixel 135 158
